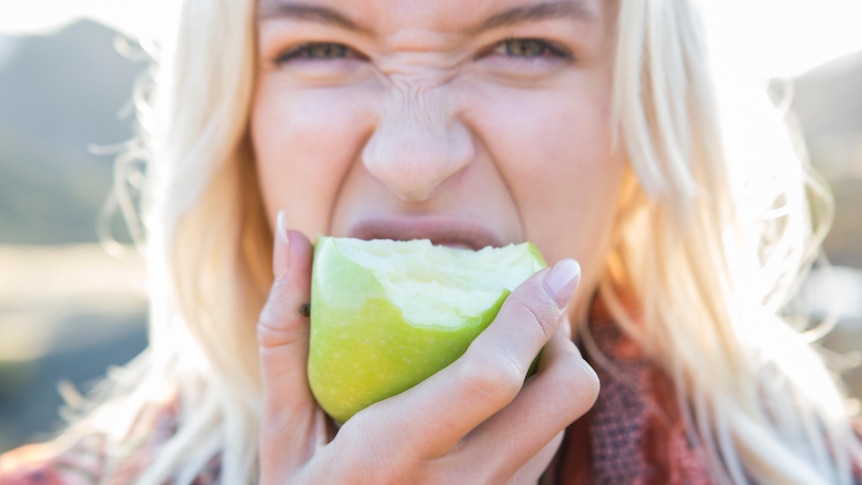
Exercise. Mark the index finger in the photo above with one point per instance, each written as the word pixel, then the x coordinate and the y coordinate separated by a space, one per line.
pixel 290 425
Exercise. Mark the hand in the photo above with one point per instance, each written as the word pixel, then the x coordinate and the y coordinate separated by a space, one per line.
pixel 476 421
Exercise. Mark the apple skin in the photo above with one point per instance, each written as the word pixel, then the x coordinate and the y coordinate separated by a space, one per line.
pixel 361 349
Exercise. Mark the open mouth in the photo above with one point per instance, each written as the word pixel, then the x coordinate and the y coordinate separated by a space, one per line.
pixel 458 233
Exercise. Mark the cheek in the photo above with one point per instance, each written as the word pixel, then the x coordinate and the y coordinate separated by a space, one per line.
pixel 304 143
pixel 553 149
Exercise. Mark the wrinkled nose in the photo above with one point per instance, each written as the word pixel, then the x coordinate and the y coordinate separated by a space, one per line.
pixel 417 145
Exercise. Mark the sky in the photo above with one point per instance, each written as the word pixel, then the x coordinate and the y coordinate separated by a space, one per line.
pixel 785 38
pixel 136 17
pixel 778 38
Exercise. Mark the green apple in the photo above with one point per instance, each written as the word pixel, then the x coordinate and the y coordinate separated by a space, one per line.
pixel 385 315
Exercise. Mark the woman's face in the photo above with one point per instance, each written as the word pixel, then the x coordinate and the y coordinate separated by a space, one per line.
pixel 469 123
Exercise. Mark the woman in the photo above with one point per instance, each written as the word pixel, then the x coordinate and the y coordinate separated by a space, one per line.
pixel 592 128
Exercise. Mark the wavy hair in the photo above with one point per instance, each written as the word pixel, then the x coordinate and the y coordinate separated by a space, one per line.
pixel 720 219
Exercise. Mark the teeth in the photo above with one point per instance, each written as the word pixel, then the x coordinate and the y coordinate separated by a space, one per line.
pixel 457 246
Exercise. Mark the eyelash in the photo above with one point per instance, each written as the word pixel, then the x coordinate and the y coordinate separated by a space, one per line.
pixel 307 52
pixel 545 47
pixel 322 51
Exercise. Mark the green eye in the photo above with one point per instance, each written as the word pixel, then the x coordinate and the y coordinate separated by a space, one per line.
pixel 525 47
pixel 317 51
pixel 529 49
pixel 325 51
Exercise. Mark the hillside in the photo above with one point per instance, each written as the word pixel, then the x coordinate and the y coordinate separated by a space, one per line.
pixel 60 95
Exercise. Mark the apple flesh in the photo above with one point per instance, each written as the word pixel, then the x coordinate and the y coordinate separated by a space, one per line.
pixel 385 315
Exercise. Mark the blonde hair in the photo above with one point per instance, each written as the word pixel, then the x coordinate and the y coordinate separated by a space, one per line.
pixel 711 240
pixel 723 222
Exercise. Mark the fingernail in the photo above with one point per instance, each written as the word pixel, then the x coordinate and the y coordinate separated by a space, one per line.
pixel 280 247
pixel 562 280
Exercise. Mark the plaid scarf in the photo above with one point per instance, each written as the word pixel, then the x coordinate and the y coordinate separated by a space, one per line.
pixel 634 435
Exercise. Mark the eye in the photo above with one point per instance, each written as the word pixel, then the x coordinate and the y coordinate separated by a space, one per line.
pixel 530 49
pixel 317 51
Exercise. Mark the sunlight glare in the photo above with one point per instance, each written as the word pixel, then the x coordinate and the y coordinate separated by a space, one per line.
pixel 137 18
pixel 783 38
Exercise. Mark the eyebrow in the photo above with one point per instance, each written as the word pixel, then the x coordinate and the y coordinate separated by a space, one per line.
pixel 324 15
pixel 302 11
pixel 540 11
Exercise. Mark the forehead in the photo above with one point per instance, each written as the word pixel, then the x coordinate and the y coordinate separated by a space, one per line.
pixel 384 16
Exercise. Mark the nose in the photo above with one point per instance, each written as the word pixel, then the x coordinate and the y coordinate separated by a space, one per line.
pixel 418 143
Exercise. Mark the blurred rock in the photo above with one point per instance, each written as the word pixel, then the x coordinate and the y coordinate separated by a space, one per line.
pixel 66 315
pixel 29 397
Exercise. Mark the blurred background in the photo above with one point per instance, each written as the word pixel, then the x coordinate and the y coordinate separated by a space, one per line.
pixel 68 310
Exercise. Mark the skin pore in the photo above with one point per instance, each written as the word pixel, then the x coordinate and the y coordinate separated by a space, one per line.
pixel 469 123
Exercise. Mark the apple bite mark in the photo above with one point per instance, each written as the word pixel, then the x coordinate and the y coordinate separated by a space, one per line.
pixel 388 314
